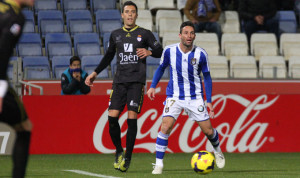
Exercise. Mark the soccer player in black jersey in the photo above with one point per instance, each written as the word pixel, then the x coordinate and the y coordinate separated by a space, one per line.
pixel 130 43
pixel 12 111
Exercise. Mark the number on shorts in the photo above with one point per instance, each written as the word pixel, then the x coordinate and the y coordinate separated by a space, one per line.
pixel 4 142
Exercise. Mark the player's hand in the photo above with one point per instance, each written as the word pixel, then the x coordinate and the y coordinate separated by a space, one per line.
pixel 90 79
pixel 259 19
pixel 142 52
pixel 211 110
pixel 151 93
pixel 1 101
pixel 76 75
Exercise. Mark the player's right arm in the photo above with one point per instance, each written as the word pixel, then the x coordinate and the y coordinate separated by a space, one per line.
pixel 106 60
pixel 164 62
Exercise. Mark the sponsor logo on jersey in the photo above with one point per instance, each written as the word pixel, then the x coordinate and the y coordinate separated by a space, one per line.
pixel 128 35
pixel 139 38
pixel 128 47
pixel 15 29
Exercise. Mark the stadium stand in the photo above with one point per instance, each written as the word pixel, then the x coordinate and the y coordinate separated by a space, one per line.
pixel 89 63
pixel 87 44
pixel 73 5
pixel 218 66
pixel 29 26
pixel 45 5
pixel 106 37
pixel 294 67
pixel 289 45
pixel 209 42
pixel 79 21
pixel 59 65
pixel 234 44
pixel 29 45
pixel 141 4
pixel 102 4
pixel 58 44
pixel 243 67
pixel 170 38
pixel 152 65
pixel 50 21
pixel 263 44
pixel 145 19
pixel 157 4
pixel 232 23
pixel 11 68
pixel 272 67
pixel 107 21
pixel 167 21
pixel 36 67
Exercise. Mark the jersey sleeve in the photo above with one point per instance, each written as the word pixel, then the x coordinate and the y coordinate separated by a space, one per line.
pixel 204 62
pixel 206 75
pixel 164 62
pixel 154 45
pixel 109 55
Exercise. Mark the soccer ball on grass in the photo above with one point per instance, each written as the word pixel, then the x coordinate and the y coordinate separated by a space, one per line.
pixel 203 162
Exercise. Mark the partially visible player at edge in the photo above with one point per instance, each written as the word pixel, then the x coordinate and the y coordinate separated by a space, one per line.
pixel 130 43
pixel 185 91
pixel 12 111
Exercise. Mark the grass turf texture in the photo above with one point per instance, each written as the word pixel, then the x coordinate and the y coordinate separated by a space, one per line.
pixel 175 165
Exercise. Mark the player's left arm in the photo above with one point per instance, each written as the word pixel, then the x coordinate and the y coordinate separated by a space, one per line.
pixel 156 48
pixel 207 82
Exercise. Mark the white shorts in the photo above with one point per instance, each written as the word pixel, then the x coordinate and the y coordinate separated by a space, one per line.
pixel 195 109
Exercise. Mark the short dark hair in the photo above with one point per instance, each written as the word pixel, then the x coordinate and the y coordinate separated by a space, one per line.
pixel 74 58
pixel 186 23
pixel 129 3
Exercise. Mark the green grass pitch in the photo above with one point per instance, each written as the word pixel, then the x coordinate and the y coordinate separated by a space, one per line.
pixel 177 165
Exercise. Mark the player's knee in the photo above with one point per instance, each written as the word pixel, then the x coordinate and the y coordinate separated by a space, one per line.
pixel 166 129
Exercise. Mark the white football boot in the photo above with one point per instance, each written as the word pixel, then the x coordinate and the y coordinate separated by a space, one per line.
pixel 157 169
pixel 220 159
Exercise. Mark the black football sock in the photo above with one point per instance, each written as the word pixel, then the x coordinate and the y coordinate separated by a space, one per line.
pixel 130 138
pixel 115 133
pixel 20 154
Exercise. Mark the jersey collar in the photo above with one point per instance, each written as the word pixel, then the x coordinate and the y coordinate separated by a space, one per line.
pixel 131 29
pixel 14 5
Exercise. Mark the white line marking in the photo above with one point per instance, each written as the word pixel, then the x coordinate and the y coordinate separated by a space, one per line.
pixel 90 174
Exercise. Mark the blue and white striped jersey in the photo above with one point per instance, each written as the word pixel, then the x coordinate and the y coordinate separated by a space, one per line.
pixel 185 68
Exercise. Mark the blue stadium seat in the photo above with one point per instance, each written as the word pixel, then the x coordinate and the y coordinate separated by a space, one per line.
pixel 152 65
pixel 59 65
pixel 86 44
pixel 11 68
pixel 45 5
pixel 107 21
pixel 58 44
pixel 50 22
pixel 89 64
pixel 79 21
pixel 156 36
pixel 36 67
pixel 287 21
pixel 106 37
pixel 29 26
pixel 30 44
pixel 73 5
pixel 102 4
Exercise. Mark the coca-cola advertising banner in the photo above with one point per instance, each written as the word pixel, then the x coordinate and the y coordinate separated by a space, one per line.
pixel 246 123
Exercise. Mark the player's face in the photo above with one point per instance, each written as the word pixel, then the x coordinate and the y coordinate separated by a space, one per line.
pixel 75 65
pixel 187 36
pixel 129 16
pixel 29 3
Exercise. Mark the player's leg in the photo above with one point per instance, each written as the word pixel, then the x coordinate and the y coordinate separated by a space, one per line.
pixel 171 112
pixel 162 143
pixel 116 105
pixel 14 114
pixel 135 96
pixel 213 137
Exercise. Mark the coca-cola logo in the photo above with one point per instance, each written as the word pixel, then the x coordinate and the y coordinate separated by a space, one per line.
pixel 246 134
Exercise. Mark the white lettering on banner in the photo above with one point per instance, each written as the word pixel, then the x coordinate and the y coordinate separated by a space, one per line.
pixel 225 130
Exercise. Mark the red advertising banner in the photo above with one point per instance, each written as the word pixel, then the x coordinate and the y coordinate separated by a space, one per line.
pixel 246 123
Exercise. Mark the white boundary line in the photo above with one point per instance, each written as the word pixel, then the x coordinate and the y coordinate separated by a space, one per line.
pixel 89 174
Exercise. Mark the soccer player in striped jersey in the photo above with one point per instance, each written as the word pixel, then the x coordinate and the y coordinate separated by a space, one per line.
pixel 185 91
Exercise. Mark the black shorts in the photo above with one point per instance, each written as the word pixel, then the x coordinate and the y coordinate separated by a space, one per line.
pixel 131 94
pixel 13 111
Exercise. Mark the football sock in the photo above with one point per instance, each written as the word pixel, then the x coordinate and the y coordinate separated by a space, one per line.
pixel 115 133
pixel 131 136
pixel 214 140
pixel 20 154
pixel 161 146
